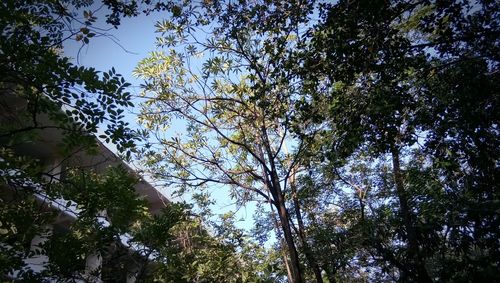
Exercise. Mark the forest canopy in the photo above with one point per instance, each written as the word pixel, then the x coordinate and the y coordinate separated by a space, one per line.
pixel 364 132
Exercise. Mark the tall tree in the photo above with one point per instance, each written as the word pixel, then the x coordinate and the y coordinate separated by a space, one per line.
pixel 398 80
pixel 223 72
pixel 43 90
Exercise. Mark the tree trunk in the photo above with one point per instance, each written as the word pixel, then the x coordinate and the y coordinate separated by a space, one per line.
pixel 413 246
pixel 285 260
pixel 282 243
pixel 287 232
pixel 274 186
pixel 307 250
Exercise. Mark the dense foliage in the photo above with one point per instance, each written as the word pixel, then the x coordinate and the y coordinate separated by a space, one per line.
pixel 414 87
pixel 389 109
pixel 54 217
pixel 365 132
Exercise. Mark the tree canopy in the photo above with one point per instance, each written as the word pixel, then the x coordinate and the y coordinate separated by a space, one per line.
pixel 55 217
pixel 365 132
pixel 389 111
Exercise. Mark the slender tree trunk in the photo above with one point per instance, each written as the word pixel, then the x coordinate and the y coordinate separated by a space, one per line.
pixel 279 199
pixel 282 241
pixel 287 232
pixel 307 250
pixel 285 260
pixel 411 234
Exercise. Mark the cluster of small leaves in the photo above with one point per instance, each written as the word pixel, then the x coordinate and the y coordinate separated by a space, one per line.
pixel 231 89
pixel 77 99
pixel 28 211
pixel 107 209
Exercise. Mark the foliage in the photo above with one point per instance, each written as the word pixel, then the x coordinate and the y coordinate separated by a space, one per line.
pixel 221 72
pixel 34 70
pixel 29 210
pixel 413 86
pixel 365 131
pixel 392 110
pixel 219 258
pixel 44 92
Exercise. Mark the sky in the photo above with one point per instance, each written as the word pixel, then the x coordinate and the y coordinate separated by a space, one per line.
pixel 125 46
pixel 123 49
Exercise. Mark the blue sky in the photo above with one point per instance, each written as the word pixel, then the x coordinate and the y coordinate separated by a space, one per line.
pixel 123 49
pixel 136 36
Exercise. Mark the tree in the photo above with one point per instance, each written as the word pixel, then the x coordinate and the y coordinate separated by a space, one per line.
pixel 34 70
pixel 187 252
pixel 231 88
pixel 397 80
pixel 43 91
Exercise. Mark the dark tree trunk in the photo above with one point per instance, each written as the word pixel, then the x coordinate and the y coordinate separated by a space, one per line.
pixel 273 183
pixel 413 247
pixel 287 232
pixel 307 250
